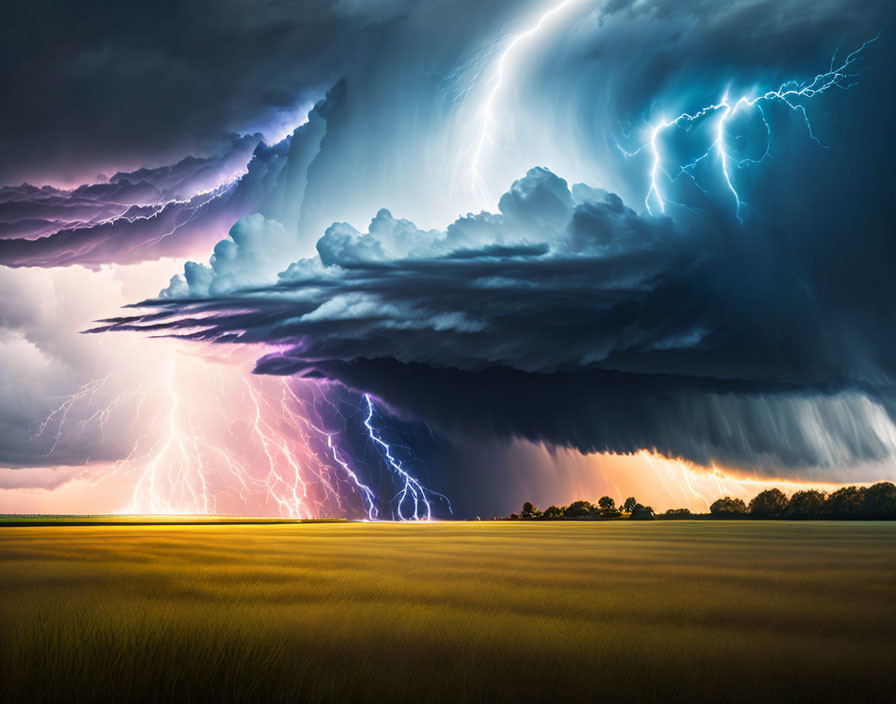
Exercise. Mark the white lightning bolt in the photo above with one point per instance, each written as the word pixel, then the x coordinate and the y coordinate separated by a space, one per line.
pixel 208 441
pixel 485 115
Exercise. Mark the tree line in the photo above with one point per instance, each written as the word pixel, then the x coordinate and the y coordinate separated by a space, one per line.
pixel 585 510
pixel 876 502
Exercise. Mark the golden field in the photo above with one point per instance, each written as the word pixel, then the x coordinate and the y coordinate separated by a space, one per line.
pixel 486 611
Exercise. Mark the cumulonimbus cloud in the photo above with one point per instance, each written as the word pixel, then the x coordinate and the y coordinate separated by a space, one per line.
pixel 565 317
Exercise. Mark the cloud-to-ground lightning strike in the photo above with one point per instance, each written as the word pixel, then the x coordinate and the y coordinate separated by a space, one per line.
pixel 485 118
pixel 412 491
pixel 366 491
pixel 788 93
pixel 193 457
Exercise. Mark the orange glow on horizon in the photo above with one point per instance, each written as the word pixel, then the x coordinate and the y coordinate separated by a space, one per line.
pixel 553 477
pixel 659 481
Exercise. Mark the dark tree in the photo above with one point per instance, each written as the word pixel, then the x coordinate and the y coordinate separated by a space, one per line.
pixel 580 509
pixel 768 504
pixel 806 504
pixel 530 510
pixel 846 502
pixel 629 504
pixel 678 513
pixel 728 508
pixel 552 513
pixel 606 503
pixel 641 513
pixel 879 501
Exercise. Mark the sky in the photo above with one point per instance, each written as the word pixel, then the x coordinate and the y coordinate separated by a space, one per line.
pixel 432 259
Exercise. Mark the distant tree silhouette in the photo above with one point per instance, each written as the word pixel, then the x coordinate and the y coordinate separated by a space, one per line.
pixel 580 509
pixel 806 504
pixel 641 513
pixel 606 503
pixel 727 507
pixel 768 504
pixel 530 510
pixel 879 501
pixel 876 502
pixel 679 513
pixel 845 502
pixel 552 513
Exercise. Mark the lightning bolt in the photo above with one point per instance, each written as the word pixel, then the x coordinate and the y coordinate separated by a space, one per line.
pixel 211 441
pixel 86 393
pixel 212 437
pixel 791 93
pixel 412 491
pixel 364 489
pixel 485 119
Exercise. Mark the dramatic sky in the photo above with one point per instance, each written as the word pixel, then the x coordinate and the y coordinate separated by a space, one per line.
pixel 345 257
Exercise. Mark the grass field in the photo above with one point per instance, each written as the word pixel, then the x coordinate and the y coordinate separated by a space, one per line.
pixel 561 611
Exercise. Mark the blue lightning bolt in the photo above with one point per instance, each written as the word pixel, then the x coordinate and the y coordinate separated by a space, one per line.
pixel 412 491
pixel 789 93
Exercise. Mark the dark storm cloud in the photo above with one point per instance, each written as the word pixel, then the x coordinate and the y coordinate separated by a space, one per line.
pixel 133 216
pixel 163 211
pixel 566 316
pixel 569 318
pixel 133 233
pixel 632 63
pixel 768 428
pixel 103 85
pixel 91 85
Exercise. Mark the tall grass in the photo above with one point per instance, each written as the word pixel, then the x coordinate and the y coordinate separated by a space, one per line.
pixel 691 611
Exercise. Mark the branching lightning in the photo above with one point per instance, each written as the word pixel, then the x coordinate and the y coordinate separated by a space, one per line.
pixel 412 492
pixel 87 393
pixel 364 489
pixel 213 439
pixel 790 94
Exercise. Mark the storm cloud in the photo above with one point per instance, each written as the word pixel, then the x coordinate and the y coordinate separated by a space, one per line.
pixel 558 312
pixel 167 211
pixel 567 317
pixel 103 85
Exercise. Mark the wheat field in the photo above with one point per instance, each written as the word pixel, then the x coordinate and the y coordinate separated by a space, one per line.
pixel 484 611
